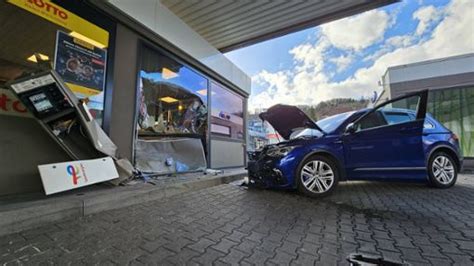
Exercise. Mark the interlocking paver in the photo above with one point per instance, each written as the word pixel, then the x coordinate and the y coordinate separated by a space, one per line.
pixel 231 225
pixel 234 257
pixel 224 245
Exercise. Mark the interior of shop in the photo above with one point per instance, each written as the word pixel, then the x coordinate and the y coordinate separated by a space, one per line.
pixel 38 39
pixel 172 116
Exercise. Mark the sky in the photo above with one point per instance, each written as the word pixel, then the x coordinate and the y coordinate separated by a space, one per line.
pixel 347 58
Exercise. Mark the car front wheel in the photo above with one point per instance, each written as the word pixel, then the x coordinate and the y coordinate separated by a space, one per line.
pixel 317 176
pixel 442 170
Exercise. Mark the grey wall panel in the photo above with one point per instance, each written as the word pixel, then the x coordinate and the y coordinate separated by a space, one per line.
pixel 125 83
pixel 401 88
pixel 226 154
pixel 23 146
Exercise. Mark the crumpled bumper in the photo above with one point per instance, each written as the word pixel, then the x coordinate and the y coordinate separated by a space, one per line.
pixel 265 174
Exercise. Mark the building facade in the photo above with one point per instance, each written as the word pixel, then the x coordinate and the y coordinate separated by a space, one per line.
pixel 169 100
pixel 450 82
pixel 153 73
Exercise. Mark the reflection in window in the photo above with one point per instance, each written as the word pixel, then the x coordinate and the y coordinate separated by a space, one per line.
pixel 227 116
pixel 454 108
pixel 397 117
pixel 173 97
pixel 172 116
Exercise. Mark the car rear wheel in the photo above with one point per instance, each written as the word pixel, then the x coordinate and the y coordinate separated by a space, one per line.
pixel 442 170
pixel 318 176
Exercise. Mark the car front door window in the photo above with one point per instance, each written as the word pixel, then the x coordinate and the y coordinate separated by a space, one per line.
pixel 392 113
pixel 372 120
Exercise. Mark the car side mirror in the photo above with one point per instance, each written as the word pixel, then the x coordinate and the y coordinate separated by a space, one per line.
pixel 350 128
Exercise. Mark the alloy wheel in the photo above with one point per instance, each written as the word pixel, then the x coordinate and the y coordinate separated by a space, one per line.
pixel 443 169
pixel 317 176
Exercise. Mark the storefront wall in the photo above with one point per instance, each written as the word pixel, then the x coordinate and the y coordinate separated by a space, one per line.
pixel 37 27
pixel 153 70
pixel 114 97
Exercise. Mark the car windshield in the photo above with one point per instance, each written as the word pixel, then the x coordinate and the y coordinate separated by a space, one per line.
pixel 329 124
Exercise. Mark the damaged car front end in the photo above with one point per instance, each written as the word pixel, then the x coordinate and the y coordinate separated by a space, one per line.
pixel 273 166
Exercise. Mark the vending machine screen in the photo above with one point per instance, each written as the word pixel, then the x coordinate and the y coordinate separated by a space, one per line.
pixel 40 102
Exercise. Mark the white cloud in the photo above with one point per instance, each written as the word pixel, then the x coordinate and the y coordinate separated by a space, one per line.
pixel 307 83
pixel 400 41
pixel 389 45
pixel 342 62
pixel 311 56
pixel 357 32
pixel 426 16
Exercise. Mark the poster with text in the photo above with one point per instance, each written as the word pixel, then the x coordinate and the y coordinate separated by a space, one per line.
pixel 82 66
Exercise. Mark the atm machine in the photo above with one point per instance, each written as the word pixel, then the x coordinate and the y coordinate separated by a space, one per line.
pixel 64 117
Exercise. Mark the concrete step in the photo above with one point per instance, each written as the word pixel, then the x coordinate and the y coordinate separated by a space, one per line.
pixel 26 212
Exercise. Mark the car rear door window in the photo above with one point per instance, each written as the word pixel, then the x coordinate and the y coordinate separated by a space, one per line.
pixel 397 117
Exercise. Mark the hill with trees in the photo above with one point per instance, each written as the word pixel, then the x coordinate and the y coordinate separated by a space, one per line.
pixel 333 107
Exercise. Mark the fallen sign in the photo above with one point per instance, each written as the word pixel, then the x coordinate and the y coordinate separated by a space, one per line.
pixel 59 177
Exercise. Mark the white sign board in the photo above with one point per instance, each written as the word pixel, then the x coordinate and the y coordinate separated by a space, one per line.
pixel 60 177
pixel 30 84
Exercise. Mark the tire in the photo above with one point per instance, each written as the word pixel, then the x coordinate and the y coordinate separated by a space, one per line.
pixel 442 170
pixel 317 176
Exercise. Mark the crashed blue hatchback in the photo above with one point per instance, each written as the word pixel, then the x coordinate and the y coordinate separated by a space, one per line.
pixel 394 141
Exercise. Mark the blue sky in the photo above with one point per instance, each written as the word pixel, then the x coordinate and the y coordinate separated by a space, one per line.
pixel 347 58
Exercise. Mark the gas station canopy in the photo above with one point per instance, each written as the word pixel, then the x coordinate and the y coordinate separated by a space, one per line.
pixel 228 25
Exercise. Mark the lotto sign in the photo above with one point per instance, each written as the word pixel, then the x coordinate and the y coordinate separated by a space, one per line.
pixel 11 106
pixel 70 175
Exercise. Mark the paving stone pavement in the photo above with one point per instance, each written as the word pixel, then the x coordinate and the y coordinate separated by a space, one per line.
pixel 230 225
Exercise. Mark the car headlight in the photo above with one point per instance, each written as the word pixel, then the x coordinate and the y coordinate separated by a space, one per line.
pixel 280 152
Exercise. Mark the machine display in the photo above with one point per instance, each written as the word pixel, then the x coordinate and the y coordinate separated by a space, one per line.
pixel 41 102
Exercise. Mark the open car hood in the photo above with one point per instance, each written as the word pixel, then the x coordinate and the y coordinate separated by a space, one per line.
pixel 285 119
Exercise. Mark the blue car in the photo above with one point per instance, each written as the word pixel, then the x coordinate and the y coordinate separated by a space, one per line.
pixel 394 141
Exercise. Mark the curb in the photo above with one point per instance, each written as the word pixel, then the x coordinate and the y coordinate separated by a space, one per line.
pixel 25 215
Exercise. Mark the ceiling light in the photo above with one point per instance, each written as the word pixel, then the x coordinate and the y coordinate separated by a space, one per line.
pixel 32 58
pixel 168 99
pixel 203 92
pixel 168 74
pixel 87 39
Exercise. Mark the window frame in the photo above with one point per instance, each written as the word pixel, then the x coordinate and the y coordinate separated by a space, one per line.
pixel 218 136
pixel 420 109
pixel 141 44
